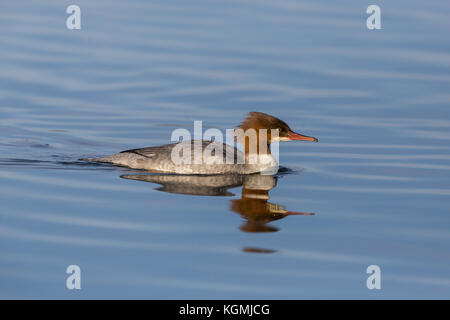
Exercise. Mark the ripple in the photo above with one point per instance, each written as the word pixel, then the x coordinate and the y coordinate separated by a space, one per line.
pixel 423 191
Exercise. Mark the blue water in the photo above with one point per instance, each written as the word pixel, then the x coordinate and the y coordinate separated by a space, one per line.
pixel 377 181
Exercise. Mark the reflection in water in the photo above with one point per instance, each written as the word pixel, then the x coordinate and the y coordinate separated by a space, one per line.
pixel 253 205
pixel 196 185
pixel 258 250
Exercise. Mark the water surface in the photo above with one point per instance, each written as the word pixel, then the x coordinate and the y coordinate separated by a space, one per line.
pixel 378 180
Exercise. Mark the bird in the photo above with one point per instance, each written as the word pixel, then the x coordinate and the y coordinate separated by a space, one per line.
pixel 256 133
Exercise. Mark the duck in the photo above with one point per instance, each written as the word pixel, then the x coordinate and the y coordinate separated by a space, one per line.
pixel 256 133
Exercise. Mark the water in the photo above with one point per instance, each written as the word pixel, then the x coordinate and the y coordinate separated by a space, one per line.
pixel 377 181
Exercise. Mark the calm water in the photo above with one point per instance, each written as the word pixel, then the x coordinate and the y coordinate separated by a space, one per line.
pixel 378 180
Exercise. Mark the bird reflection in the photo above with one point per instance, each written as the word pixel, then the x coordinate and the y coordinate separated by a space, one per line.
pixel 258 250
pixel 196 185
pixel 253 206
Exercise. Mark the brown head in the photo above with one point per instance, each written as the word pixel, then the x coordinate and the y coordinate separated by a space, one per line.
pixel 259 120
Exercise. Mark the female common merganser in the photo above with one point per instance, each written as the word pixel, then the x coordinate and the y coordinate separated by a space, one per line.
pixel 160 159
